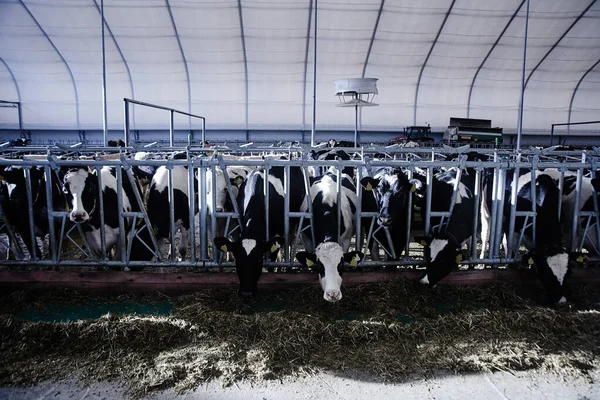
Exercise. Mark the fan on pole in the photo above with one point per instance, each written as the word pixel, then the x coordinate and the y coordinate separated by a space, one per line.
pixel 356 92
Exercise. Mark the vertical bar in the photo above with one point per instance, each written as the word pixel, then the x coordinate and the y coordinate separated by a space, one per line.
pixel 534 200
pixel 203 132
pixel 101 206
pixel 171 132
pixel 126 131
pixel 213 193
pixel 20 116
pixel 428 195
pixel 192 208
pixel 500 187
pixel 171 211
pixel 34 246
pixel 49 205
pixel 513 210
pixel 339 201
pixel 476 201
pixel 314 105
pixel 203 212
pixel 286 211
pixel 104 115
pixel 522 94
pixel 576 204
pixel 122 242
pixel 552 135
pixel 267 172
pixel 355 124
pixel 408 220
pixel 358 216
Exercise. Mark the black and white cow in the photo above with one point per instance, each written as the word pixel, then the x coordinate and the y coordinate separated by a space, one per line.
pixel 250 248
pixel 589 186
pixel 158 206
pixel 548 252
pixel 81 188
pixel 442 249
pixel 331 252
pixel 222 200
pixel 16 203
pixel 388 193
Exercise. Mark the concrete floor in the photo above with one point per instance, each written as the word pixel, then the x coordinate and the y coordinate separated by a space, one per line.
pixel 488 386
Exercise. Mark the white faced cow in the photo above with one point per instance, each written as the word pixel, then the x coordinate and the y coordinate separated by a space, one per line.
pixel 81 187
pixel 331 251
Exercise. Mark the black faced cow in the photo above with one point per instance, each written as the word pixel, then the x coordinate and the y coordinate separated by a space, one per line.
pixel 443 247
pixel 16 203
pixel 388 193
pixel 547 252
pixel 81 187
pixel 250 248
pixel 333 243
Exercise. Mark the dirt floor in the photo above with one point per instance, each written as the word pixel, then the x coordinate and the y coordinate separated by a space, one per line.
pixel 387 339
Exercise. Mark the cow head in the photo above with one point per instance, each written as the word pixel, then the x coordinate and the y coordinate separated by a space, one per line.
pixel 249 254
pixel 329 260
pixel 552 265
pixel 222 199
pixel 391 192
pixel 81 188
pixel 442 255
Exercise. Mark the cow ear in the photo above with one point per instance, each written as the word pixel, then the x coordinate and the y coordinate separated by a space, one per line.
pixel 352 258
pixel 424 240
pixel 307 259
pixel 578 257
pixel 238 180
pixel 273 245
pixel 369 183
pixel 224 244
pixel 416 185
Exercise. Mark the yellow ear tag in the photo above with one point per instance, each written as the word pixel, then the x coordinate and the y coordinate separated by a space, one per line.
pixel 423 243
pixel 579 259
pixel 354 261
pixel 458 258
pixel 413 188
pixel 67 208
pixel 369 186
pixel 309 263
pixel 224 248
pixel 238 180
pixel 530 261
pixel 275 247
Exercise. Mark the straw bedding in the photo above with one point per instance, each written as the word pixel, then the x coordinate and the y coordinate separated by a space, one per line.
pixel 395 331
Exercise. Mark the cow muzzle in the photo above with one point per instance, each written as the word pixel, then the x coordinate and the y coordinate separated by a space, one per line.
pixel 79 217
pixel 332 295
pixel 384 220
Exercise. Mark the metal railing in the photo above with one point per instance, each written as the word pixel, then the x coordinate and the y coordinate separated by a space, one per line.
pixel 64 234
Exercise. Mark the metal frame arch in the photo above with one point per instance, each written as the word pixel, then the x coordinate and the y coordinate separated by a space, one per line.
pixel 577 88
pixel 373 38
pixel 310 10
pixel 61 57
pixel 13 78
pixel 487 56
pixel 557 42
pixel 427 59
pixel 187 72
pixel 118 50
pixel 243 37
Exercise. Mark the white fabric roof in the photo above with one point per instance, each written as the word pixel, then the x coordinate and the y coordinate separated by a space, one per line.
pixel 248 64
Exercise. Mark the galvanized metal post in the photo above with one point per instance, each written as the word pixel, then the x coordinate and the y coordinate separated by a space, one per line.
pixel 122 237
pixel 428 195
pixel 171 211
pixel 314 105
pixel 476 211
pixel 576 204
pixel 171 128
pixel 34 246
pixel 101 204
pixel 522 94
pixel 192 208
pixel 126 123
pixel 286 212
pixel 104 113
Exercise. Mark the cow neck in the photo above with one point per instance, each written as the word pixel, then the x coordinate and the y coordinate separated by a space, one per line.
pixel 452 238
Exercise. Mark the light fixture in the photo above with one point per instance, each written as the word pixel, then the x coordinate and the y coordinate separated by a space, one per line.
pixel 356 92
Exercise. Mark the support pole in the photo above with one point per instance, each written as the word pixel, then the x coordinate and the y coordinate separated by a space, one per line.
pixel 521 98
pixel 314 105
pixel 104 114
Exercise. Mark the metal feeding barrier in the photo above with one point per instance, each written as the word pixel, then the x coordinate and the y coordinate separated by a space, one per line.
pixel 67 246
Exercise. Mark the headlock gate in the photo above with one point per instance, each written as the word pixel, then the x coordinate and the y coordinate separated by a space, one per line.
pixel 29 175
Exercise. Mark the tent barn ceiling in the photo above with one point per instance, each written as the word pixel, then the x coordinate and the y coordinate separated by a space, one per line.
pixel 248 64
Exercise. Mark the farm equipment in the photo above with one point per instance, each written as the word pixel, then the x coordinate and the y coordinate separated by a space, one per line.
pixel 414 134
pixel 472 130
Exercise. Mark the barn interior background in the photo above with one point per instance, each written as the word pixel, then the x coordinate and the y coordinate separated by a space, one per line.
pixel 257 78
